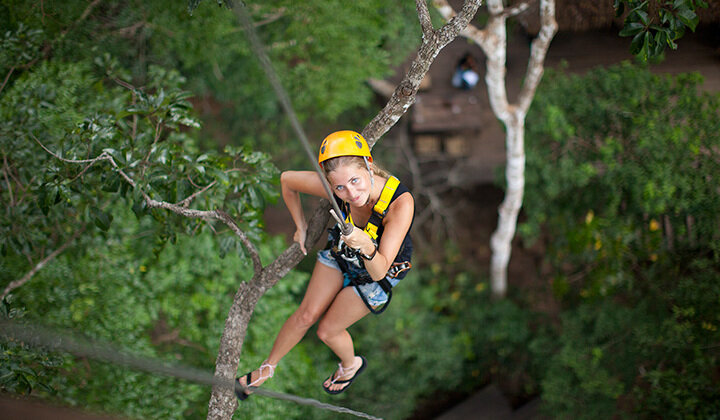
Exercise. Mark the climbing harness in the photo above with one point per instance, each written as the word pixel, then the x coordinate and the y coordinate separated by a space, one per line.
pixel 351 261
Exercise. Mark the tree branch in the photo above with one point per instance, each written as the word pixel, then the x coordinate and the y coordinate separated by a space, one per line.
pixel 404 95
pixel 83 16
pixel 517 9
pixel 470 31
pixel 186 201
pixel 538 50
pixel 7 77
pixel 177 209
pixel 17 283
pixel 271 17
pixel 424 18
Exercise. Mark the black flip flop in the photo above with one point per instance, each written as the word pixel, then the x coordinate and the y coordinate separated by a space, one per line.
pixel 345 381
pixel 239 389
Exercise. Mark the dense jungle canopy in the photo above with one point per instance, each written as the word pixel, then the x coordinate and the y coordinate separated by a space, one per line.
pixel 621 206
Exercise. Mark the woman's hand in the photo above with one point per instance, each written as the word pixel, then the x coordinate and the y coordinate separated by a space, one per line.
pixel 299 237
pixel 359 240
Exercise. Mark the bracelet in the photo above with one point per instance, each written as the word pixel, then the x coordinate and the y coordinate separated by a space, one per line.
pixel 371 256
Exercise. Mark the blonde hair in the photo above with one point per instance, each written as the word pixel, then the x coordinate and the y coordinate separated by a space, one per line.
pixel 336 162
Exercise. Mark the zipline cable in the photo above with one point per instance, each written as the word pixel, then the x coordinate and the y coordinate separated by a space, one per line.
pixel 105 352
pixel 259 50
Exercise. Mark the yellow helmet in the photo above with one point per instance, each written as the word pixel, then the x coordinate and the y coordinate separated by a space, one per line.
pixel 343 143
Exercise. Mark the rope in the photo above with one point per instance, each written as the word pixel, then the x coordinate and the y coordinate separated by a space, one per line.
pixel 259 50
pixel 106 352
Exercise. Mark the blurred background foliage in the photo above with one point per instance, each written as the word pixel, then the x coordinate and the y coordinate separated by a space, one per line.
pixel 620 196
pixel 621 192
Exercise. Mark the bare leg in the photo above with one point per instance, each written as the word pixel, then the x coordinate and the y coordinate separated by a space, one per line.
pixel 346 309
pixel 324 285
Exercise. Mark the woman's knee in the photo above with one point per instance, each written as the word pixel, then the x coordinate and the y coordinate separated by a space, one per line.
pixel 306 317
pixel 326 331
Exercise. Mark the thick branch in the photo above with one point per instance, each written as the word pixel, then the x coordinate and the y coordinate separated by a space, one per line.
pixel 17 283
pixel 404 95
pixel 470 31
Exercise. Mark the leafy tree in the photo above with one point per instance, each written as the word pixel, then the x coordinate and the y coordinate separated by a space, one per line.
pixel 618 167
pixel 654 29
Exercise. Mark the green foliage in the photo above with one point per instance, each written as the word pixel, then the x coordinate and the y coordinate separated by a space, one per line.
pixel 88 80
pixel 610 176
pixel 22 368
pixel 19 48
pixel 619 188
pixel 653 33
pixel 314 46
pixel 85 116
pixel 171 306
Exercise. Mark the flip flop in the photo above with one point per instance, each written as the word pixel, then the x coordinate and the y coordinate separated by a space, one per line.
pixel 240 390
pixel 341 373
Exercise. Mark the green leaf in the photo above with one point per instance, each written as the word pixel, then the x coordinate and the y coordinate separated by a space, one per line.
pixel 637 43
pixel 256 199
pixel 688 17
pixel 101 218
pixel 619 7
pixel 631 29
pixel 139 208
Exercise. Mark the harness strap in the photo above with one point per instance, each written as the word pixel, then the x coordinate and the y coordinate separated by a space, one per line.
pixel 384 284
pixel 380 208
pixel 371 228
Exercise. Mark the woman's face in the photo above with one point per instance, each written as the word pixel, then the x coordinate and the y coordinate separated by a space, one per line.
pixel 351 183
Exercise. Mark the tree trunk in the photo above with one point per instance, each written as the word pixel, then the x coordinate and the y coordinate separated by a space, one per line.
pixel 493 40
pixel 222 401
pixel 501 240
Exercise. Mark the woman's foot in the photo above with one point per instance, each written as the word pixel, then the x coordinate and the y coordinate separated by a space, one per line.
pixel 344 376
pixel 253 379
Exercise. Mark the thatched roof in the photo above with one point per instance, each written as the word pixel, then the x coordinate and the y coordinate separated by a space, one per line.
pixel 583 15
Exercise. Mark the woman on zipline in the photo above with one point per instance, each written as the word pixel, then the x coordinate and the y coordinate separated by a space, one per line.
pixel 354 274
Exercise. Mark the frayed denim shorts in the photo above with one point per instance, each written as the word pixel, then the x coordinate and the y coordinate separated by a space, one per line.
pixel 374 294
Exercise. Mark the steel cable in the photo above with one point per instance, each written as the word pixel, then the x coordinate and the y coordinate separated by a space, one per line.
pixel 37 336
pixel 259 51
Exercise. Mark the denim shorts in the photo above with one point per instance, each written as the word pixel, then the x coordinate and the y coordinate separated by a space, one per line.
pixel 374 294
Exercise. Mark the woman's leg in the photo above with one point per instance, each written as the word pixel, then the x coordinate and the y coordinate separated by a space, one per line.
pixel 324 285
pixel 346 309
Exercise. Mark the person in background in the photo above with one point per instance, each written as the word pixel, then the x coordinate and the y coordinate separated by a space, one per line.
pixel 466 75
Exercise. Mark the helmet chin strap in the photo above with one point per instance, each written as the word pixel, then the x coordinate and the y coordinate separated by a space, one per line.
pixel 367 165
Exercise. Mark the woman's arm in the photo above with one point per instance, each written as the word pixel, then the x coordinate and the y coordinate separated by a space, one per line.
pixel 292 183
pixel 396 225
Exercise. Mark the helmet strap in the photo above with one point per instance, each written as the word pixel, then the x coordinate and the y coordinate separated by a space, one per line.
pixel 367 165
